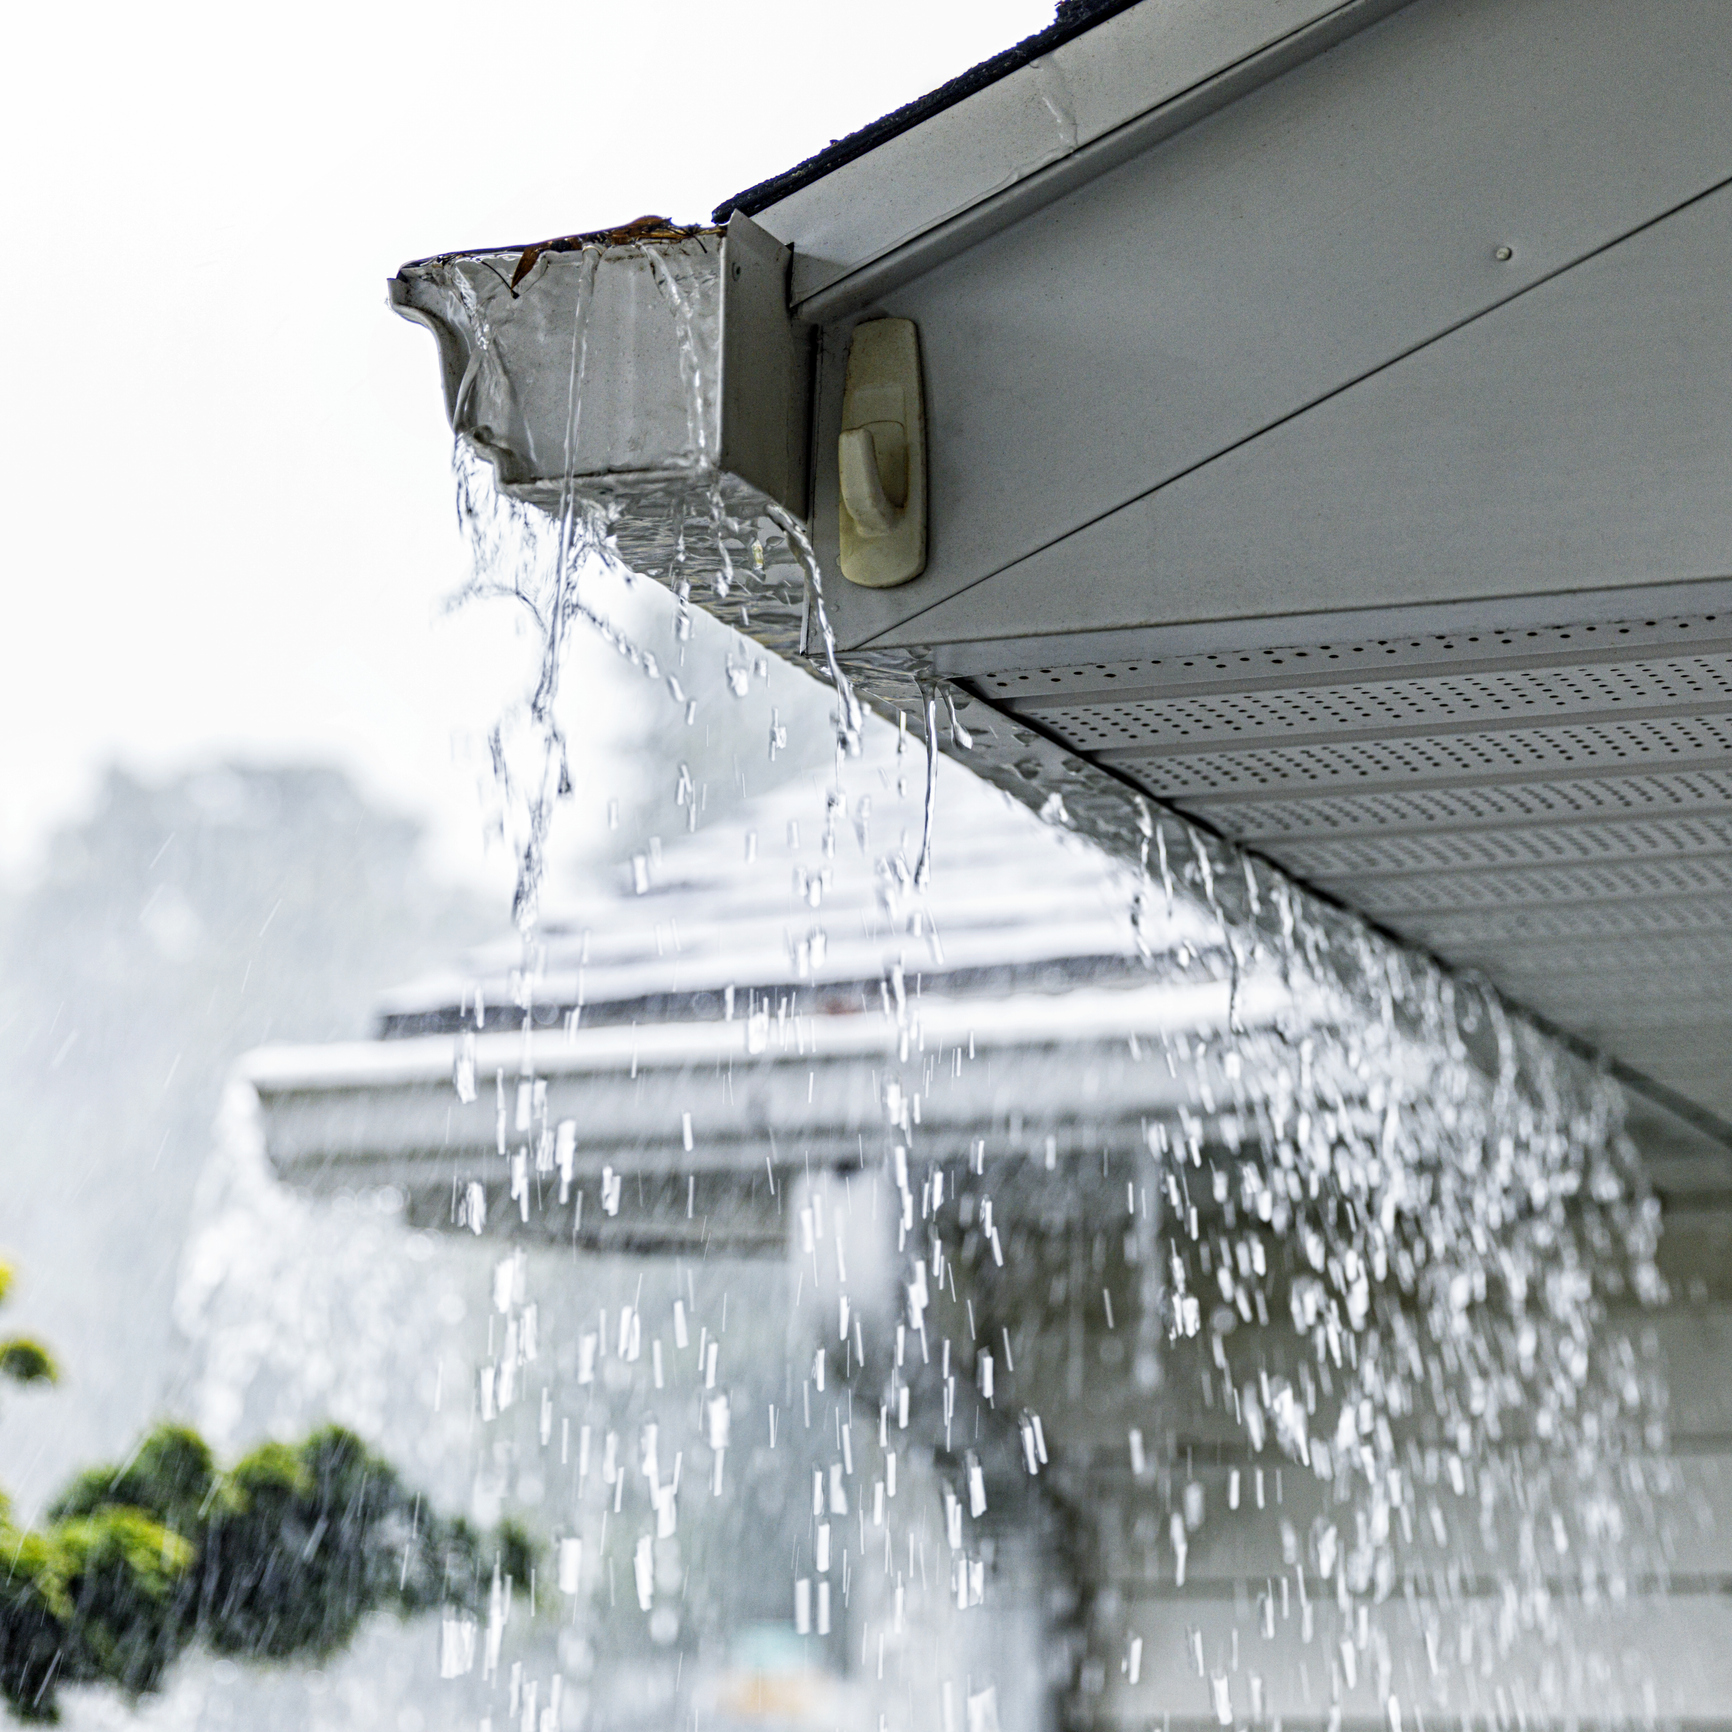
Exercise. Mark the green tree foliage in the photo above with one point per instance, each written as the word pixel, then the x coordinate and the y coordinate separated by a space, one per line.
pixel 23 1360
pixel 280 1556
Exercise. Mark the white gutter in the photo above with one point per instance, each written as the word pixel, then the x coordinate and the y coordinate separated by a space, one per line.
pixel 1027 1020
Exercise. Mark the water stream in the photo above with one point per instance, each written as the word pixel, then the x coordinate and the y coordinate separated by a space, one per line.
pixel 1317 1393
pixel 935 1243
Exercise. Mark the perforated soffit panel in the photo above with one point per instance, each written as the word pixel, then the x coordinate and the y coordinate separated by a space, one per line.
pixel 1551 807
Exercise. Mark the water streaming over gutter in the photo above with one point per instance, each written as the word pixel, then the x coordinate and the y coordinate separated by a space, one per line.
pixel 1260 1337
pixel 1382 1247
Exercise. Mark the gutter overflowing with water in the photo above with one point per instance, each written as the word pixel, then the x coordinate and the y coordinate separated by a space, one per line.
pixel 641 397
pixel 638 398
pixel 1371 618
pixel 644 398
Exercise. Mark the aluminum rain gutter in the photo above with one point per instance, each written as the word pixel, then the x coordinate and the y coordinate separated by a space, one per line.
pixel 1328 410
pixel 719 1069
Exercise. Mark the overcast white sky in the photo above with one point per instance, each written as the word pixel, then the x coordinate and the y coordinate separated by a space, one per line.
pixel 228 518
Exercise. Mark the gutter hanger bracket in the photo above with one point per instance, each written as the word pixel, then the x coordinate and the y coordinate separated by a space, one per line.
pixel 881 457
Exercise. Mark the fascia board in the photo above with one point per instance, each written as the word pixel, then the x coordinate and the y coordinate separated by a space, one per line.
pixel 1055 108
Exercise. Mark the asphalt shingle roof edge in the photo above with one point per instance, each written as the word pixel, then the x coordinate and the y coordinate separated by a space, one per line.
pixel 1073 19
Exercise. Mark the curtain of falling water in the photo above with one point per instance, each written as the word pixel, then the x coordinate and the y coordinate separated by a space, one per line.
pixel 1337 1329
pixel 1281 1363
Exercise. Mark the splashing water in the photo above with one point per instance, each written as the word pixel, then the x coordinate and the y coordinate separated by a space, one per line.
pixel 539 561
pixel 1363 1283
pixel 1251 1331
